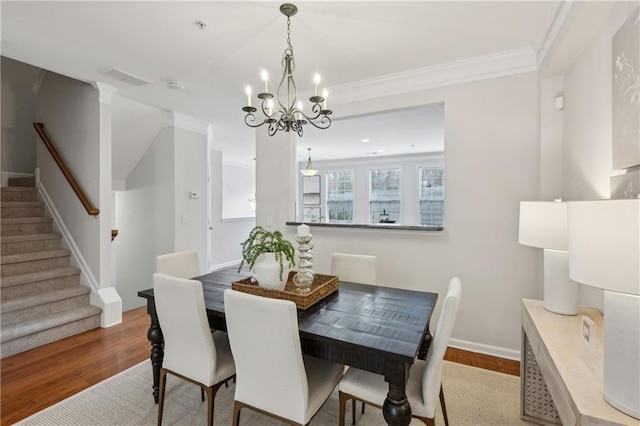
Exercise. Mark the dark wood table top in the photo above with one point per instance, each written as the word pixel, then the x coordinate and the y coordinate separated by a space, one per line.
pixel 386 322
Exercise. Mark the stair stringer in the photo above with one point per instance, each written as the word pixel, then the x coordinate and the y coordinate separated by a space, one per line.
pixel 106 298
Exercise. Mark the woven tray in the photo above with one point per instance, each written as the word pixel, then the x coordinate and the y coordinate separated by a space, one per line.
pixel 323 285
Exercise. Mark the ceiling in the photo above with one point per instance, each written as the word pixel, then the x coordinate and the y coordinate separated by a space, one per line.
pixel 346 42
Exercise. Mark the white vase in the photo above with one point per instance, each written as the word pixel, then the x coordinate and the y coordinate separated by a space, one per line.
pixel 267 272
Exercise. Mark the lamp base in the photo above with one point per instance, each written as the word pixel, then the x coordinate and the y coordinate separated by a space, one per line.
pixel 622 352
pixel 560 291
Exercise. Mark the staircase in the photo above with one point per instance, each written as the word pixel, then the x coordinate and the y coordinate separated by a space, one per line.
pixel 41 299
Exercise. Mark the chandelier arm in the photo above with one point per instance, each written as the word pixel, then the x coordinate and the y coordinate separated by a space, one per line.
pixel 325 123
pixel 250 118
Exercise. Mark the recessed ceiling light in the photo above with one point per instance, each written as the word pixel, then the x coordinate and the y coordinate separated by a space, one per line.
pixel 201 24
pixel 176 85
pixel 365 140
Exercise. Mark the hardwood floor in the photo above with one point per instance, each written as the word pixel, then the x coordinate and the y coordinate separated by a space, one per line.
pixel 36 379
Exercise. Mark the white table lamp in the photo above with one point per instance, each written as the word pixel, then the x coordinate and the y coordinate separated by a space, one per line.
pixel 604 252
pixel 543 224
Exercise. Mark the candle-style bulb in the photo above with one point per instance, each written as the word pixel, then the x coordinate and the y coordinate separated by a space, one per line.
pixel 299 113
pixel 265 77
pixel 316 81
pixel 247 90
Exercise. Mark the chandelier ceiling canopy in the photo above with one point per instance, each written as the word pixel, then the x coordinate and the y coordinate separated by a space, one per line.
pixel 290 114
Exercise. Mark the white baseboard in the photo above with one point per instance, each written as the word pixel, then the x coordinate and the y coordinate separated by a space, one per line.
pixel 485 349
pixel 225 265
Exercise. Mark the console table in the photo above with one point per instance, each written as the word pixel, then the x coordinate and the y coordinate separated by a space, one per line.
pixel 560 372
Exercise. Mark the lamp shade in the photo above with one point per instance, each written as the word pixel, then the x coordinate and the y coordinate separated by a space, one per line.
pixel 604 244
pixel 543 224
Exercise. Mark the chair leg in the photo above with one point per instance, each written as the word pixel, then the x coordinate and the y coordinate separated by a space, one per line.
pixel 201 394
pixel 344 397
pixel 211 394
pixel 236 413
pixel 353 411
pixel 444 407
pixel 163 384
pixel 363 404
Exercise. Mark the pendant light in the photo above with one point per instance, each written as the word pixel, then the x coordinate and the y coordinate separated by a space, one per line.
pixel 309 170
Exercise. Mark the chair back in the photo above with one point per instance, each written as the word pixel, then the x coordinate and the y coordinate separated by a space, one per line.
pixel 182 264
pixel 432 375
pixel 188 346
pixel 265 342
pixel 355 268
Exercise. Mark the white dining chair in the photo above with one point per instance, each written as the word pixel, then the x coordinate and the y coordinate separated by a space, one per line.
pixel 273 377
pixel 424 386
pixel 181 264
pixel 355 268
pixel 191 352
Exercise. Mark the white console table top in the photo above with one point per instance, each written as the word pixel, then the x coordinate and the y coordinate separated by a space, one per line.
pixel 576 366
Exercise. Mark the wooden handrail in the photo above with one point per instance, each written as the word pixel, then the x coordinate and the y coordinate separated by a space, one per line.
pixel 65 170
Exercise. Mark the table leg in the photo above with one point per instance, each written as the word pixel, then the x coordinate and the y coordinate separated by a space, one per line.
pixel 424 346
pixel 396 409
pixel 154 334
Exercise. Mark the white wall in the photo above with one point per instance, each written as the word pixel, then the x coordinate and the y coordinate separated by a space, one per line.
pixel 587 123
pixel 18 115
pixel 491 163
pixel 238 185
pixel 226 234
pixel 145 219
pixel 190 157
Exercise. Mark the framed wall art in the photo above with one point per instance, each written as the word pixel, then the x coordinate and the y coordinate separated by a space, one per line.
pixel 626 94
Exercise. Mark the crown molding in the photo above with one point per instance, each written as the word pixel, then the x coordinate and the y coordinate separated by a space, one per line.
pixel 457 72
pixel 554 30
pixel 105 92
pixel 182 121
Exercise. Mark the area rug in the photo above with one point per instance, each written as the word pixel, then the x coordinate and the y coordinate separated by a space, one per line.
pixel 473 396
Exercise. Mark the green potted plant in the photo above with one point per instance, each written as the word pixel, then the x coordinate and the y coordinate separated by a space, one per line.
pixel 265 253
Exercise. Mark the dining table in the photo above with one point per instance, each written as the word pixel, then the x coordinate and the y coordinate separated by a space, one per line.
pixel 370 327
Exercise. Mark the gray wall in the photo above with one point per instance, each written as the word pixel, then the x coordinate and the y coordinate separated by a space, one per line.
pixel 149 214
pixel 72 115
pixel 18 115
pixel 145 219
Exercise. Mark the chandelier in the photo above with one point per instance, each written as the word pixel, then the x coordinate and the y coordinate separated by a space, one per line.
pixel 290 114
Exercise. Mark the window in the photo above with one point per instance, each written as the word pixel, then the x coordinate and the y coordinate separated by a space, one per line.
pixel 340 196
pixel 431 195
pixel 384 195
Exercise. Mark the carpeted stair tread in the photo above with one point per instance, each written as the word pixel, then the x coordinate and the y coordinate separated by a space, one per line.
pixel 7 204
pixel 15 331
pixel 36 255
pixel 43 298
pixel 27 219
pixel 38 276
pixel 29 237
pixel 17 188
